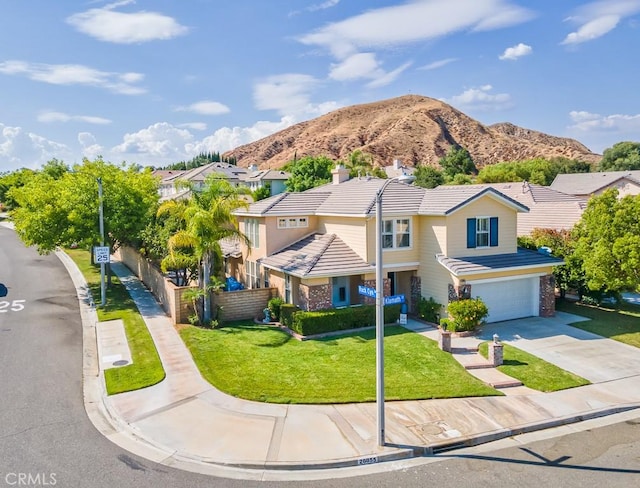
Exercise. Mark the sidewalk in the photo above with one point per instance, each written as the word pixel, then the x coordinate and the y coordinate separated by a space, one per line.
pixel 185 423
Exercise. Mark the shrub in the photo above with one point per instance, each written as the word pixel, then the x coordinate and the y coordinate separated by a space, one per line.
pixel 467 314
pixel 274 305
pixel 286 313
pixel 429 310
pixel 332 320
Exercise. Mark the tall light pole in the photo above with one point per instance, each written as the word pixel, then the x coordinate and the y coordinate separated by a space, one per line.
pixel 380 307
pixel 103 291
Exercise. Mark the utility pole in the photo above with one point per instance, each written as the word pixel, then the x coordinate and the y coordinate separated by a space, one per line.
pixel 103 291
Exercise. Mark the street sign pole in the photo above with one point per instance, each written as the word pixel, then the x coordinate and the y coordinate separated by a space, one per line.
pixel 103 290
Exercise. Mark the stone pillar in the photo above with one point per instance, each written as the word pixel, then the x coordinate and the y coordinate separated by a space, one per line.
pixel 495 351
pixel 547 296
pixel 416 293
pixel 445 340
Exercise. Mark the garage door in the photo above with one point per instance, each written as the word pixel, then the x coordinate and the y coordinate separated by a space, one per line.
pixel 510 299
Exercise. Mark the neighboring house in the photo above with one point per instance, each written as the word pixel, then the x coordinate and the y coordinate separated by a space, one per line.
pixel 316 247
pixel 548 208
pixel 250 177
pixel 585 185
pixel 259 178
pixel 398 169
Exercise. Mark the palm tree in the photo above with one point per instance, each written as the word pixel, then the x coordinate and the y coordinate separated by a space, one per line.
pixel 208 217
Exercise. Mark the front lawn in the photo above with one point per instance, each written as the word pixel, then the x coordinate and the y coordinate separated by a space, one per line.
pixel 534 372
pixel 621 324
pixel 146 368
pixel 265 364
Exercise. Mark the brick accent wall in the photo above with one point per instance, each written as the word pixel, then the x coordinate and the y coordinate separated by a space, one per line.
pixel 316 297
pixel 243 304
pixel 386 286
pixel 547 296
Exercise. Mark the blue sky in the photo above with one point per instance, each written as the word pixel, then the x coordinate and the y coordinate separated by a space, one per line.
pixel 156 82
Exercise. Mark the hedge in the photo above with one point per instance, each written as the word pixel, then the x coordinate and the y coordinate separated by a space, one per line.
pixel 332 320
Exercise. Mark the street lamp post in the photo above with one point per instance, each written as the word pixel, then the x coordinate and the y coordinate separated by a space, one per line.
pixel 103 291
pixel 380 307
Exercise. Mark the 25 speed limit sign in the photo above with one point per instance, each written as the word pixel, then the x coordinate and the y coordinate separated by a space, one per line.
pixel 101 254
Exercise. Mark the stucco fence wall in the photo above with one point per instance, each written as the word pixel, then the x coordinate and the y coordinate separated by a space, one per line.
pixel 236 305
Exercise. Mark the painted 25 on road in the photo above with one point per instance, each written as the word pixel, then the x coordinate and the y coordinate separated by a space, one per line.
pixel 12 306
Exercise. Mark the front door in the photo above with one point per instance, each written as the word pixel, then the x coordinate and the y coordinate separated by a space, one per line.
pixel 340 296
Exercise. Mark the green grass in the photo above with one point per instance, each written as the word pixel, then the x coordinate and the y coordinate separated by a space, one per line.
pixel 534 372
pixel 622 324
pixel 146 367
pixel 265 364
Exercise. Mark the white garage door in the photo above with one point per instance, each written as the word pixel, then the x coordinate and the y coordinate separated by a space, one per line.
pixel 510 299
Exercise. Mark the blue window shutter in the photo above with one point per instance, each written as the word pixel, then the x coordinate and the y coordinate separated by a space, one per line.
pixel 471 233
pixel 493 231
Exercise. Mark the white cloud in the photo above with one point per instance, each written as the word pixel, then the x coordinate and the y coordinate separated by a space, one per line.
pixel 48 117
pixel 287 94
pixel 160 140
pixel 75 74
pixel 438 64
pixel 589 122
pixel 414 21
pixel 90 148
pixel 388 77
pixel 105 24
pixel 26 149
pixel 360 65
pixel 598 18
pixel 480 99
pixel 205 107
pixel 515 52
pixel 193 125
pixel 316 7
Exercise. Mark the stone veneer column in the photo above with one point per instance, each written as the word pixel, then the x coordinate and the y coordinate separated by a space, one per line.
pixel 416 293
pixel 319 297
pixel 386 286
pixel 547 296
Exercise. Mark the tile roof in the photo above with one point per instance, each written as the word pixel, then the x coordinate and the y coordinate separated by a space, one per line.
pixel 548 208
pixel 318 255
pixel 268 174
pixel 589 183
pixel 446 199
pixel 230 247
pixel 523 258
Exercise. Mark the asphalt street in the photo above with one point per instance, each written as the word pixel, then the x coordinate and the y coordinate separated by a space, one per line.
pixel 46 438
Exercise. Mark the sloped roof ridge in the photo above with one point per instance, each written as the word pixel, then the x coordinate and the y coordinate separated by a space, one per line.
pixel 278 199
pixel 329 238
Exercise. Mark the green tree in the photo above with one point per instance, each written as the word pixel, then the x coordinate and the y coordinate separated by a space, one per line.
pixel 608 242
pixel 208 217
pixel 539 171
pixel 262 192
pixel 428 177
pixel 458 161
pixel 623 156
pixel 65 211
pixel 361 164
pixel 308 172
pixel 14 179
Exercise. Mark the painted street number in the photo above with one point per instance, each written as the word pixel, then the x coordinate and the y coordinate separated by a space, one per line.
pixel 101 254
pixel 368 460
pixel 14 306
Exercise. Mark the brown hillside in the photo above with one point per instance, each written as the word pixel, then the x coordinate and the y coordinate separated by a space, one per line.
pixel 412 128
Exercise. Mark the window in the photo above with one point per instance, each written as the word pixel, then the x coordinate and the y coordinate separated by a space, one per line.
pixel 482 232
pixel 287 288
pixel 252 231
pixel 292 222
pixel 253 274
pixel 396 233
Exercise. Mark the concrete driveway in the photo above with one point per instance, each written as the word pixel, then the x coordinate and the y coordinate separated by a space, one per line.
pixel 588 355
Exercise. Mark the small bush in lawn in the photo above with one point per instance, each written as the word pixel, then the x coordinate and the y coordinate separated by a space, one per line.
pixel 467 314
pixel 274 305
pixel 429 310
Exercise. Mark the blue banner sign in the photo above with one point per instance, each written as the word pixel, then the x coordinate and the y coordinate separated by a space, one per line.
pixel 366 291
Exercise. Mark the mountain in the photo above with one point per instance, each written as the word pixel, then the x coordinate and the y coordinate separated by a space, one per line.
pixel 412 128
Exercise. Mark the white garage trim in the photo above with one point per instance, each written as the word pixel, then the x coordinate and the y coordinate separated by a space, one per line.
pixel 509 299
pixel 504 278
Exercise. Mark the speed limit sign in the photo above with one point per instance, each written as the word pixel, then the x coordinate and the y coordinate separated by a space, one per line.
pixel 101 254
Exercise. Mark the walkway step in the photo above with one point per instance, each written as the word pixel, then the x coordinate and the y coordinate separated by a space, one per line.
pixel 505 383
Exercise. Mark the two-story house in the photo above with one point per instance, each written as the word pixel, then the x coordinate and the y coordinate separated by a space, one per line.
pixel 318 246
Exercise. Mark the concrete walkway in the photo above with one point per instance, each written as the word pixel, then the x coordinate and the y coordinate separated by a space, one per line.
pixel 184 422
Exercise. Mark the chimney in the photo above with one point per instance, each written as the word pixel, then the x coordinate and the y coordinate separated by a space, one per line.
pixel 340 174
pixel 397 164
